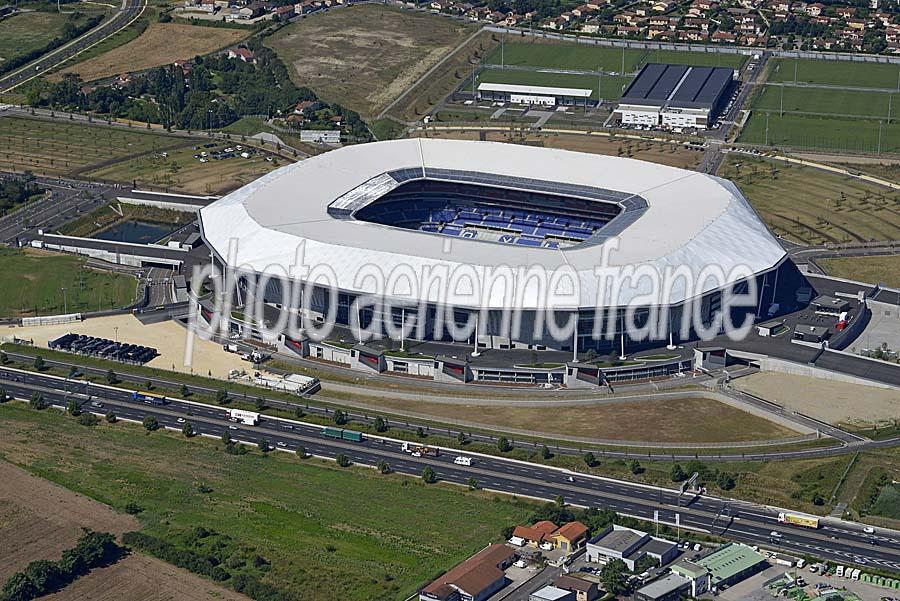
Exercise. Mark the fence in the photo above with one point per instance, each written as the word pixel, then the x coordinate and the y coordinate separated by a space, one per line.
pixel 51 320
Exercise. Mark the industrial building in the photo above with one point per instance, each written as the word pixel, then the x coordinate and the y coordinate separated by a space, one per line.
pixel 675 96
pixel 537 95
pixel 629 545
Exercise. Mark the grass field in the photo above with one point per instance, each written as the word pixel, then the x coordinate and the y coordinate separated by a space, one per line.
pixel 32 281
pixel 59 146
pixel 888 504
pixel 826 101
pixel 365 56
pixel 836 73
pixel 812 206
pixel 160 44
pixel 323 538
pixel 180 171
pixel 27 31
pixel 885 270
pixel 589 58
pixel 105 217
pixel 611 86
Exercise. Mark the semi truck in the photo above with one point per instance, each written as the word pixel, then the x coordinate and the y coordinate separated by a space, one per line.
pixel 418 450
pixel 341 434
pixel 248 418
pixel 798 519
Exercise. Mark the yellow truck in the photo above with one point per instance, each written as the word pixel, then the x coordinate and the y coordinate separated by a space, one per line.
pixel 799 519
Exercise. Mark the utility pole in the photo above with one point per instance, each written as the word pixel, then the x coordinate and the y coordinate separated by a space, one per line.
pixel 880 123
pixel 796 63
pixel 767 129
pixel 502 40
pixel 65 302
pixel 623 62
pixel 781 109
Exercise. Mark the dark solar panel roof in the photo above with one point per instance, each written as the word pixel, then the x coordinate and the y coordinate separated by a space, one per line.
pixel 678 85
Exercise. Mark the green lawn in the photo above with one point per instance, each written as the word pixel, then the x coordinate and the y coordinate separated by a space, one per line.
pixel 28 31
pixel 824 101
pixel 883 270
pixel 321 532
pixel 611 86
pixel 826 133
pixel 888 504
pixel 32 285
pixel 837 73
pixel 589 58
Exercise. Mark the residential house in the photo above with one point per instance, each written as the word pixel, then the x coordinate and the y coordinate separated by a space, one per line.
pixel 244 54
pixel 285 12
pixel 570 537
pixel 475 579
pixel 725 37
pixel 535 534
pixel 590 28
pixel 815 9
pixel 584 590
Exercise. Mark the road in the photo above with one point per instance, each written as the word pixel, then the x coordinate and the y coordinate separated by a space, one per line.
pixel 744 522
pixel 128 13
pixel 411 425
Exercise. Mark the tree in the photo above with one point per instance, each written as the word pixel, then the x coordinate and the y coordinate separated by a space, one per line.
pixel 149 385
pixel 725 481
pixel 187 429
pixel 73 409
pixel 3 397
pixel 380 425
pixel 263 445
pixel 185 391
pixel 37 401
pixel 88 419
pixel 818 499
pixel 613 577
pixel 221 396
pixel 150 423
pixel 559 501
pixel 301 451
pixel 589 459
pixel 226 437
pixel 420 432
pixel 428 475
pixel 461 438
pixel 339 417
pixel 342 460
pixel 472 483
pixel 678 474
pixel 504 445
pixel 111 377
pixel 383 467
pixel 73 371
pixel 111 417
pixel 545 452
pixel 39 363
pixel 260 403
pixel 3 358
pixel 635 466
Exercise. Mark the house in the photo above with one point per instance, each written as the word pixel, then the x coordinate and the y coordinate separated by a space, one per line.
pixel 590 28
pixel 815 9
pixel 584 590
pixel 551 593
pixel 535 534
pixel 475 579
pixel 244 54
pixel 570 537
pixel 629 545
pixel 724 37
pixel 285 12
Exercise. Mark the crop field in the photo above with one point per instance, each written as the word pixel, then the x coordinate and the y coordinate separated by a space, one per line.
pixel 32 281
pixel 584 57
pixel 182 172
pixel 811 206
pixel 824 133
pixel 836 73
pixel 160 44
pixel 365 56
pixel 27 31
pixel 318 536
pixel 59 147
pixel 822 101
pixel 611 86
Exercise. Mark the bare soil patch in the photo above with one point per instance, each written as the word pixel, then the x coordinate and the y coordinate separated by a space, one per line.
pixel 161 44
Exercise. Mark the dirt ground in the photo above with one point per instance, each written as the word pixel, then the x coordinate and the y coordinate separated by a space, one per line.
pixel 161 44
pixel 833 402
pixel 44 519
pixel 144 578
pixel 653 152
pixel 365 56
pixel 168 338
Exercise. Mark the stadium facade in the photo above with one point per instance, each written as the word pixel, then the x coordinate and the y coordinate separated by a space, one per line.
pixel 440 221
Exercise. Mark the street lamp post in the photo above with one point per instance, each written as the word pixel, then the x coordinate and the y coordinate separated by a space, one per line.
pixel 65 302
pixel 116 330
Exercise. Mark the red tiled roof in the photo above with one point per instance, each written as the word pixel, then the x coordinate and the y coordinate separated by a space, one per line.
pixel 571 531
pixel 473 575
pixel 538 531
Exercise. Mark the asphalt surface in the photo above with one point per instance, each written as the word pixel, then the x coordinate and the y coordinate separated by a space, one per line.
pixel 836 540
pixel 129 11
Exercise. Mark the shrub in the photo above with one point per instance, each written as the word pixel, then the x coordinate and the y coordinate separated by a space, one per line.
pixel 343 460
pixel 88 419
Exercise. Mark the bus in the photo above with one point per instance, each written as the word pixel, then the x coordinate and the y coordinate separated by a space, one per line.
pixel 149 397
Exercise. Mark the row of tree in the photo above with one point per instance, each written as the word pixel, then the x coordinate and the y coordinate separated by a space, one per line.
pixel 17 190
pixel 39 578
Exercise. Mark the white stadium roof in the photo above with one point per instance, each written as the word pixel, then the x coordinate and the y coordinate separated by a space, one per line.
pixel 688 218
pixel 537 90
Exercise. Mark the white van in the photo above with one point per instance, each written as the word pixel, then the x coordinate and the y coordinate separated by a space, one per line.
pixel 839 571
pixel 855 574
pixel 463 460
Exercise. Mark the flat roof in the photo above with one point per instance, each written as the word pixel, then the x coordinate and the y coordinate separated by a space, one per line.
pixel 664 585
pixel 539 90
pixel 678 86
pixel 550 593
pixel 730 560
pixel 618 539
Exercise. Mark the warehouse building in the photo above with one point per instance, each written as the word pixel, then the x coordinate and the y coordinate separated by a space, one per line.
pixel 731 563
pixel 535 95
pixel 675 96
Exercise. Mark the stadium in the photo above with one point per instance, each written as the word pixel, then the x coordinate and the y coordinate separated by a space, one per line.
pixel 410 209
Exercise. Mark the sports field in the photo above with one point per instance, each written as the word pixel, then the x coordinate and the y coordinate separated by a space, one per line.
pixel 611 86
pixel 825 133
pixel 590 58
pixel 28 31
pixel 836 73
pixel 32 282
pixel 60 146
pixel 365 56
pixel 835 102
pixel 812 206
pixel 160 44
pixel 320 532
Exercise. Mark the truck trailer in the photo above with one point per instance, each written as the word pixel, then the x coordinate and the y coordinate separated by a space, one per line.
pixel 248 418
pixel 340 434
pixel 798 519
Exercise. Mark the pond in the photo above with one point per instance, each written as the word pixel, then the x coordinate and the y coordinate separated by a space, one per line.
pixel 137 232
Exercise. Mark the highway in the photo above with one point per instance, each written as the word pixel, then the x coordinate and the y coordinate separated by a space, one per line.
pixel 744 522
pixel 131 10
